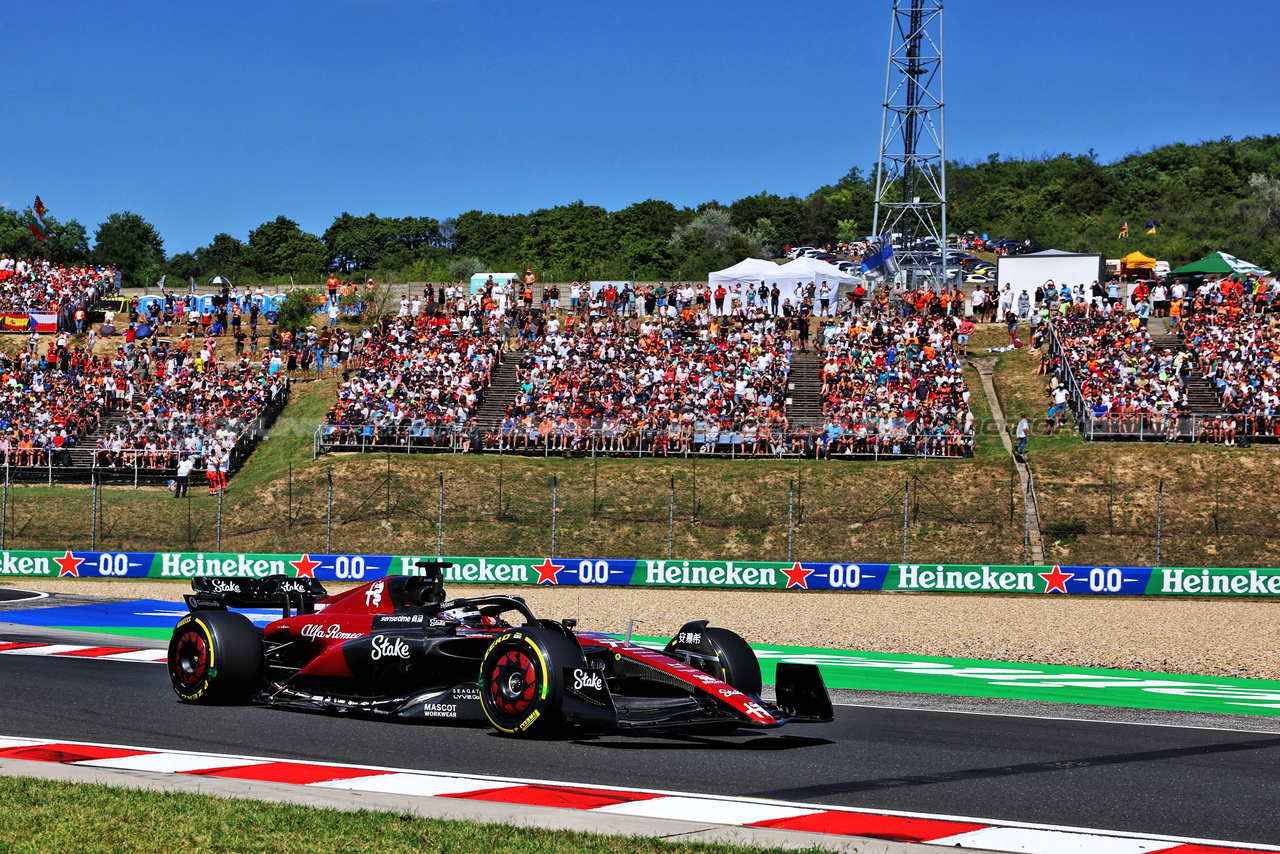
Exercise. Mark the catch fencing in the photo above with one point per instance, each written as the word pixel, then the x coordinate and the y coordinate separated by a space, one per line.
pixel 640 443
pixel 673 509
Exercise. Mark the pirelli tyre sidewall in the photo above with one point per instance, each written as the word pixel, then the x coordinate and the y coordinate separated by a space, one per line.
pixel 522 682
pixel 215 657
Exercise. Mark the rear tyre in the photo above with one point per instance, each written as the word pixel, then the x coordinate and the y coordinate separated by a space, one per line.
pixel 215 657
pixel 521 681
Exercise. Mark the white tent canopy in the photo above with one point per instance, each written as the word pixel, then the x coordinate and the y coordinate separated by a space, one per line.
pixel 793 280
pixel 812 271
pixel 748 270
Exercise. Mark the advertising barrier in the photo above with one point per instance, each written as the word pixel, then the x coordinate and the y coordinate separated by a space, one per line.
pixel 803 575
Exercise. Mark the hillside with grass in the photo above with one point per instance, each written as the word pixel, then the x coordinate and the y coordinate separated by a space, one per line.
pixel 1098 502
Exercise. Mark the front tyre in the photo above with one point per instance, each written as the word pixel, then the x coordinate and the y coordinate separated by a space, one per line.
pixel 215 657
pixel 521 681
pixel 719 653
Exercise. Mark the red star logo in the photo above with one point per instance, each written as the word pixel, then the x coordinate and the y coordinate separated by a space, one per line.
pixel 306 566
pixel 69 563
pixel 547 572
pixel 796 576
pixel 1056 580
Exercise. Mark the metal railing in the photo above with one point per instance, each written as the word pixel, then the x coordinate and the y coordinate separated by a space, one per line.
pixel 1154 427
pixel 737 444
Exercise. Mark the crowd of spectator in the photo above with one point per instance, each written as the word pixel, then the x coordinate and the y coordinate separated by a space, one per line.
pixel 659 371
pixel 1129 386
pixel 43 287
pixel 895 385
pixel 1234 338
pixel 1126 383
pixel 418 379
pixel 654 384
pixel 174 403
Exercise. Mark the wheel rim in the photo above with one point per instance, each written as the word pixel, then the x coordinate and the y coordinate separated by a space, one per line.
pixel 514 684
pixel 191 658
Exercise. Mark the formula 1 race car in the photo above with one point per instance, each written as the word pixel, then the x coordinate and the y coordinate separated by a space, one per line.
pixel 396 647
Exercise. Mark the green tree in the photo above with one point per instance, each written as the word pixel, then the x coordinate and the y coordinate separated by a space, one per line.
pixel 647 220
pixel 785 215
pixel 225 256
pixel 280 248
pixel 462 269
pixel 298 309
pixel 132 245
pixel 185 266
pixel 64 243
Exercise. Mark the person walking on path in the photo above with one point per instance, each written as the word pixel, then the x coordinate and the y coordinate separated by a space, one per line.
pixel 1023 429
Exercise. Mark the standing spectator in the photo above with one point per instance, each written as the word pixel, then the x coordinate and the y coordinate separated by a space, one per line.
pixel 211 470
pixel 1022 431
pixel 183 479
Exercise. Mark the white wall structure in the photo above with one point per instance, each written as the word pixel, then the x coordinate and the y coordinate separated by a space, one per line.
pixel 1019 273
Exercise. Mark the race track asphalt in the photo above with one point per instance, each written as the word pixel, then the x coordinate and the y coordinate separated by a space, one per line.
pixel 1205 783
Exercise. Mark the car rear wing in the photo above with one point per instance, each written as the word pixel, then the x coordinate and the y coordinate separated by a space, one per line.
pixel 288 594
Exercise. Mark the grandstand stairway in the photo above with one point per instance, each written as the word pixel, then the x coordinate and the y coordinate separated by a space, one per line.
pixel 82 454
pixel 1161 336
pixel 1201 394
pixel 503 386
pixel 805 390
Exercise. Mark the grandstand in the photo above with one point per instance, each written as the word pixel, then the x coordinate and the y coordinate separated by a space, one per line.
pixel 1208 379
pixel 120 408
pixel 603 381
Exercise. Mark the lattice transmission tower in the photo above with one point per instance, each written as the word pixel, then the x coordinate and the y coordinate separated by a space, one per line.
pixel 911 173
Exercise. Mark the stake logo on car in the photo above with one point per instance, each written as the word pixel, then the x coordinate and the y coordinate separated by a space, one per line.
pixel 583 679
pixel 389 648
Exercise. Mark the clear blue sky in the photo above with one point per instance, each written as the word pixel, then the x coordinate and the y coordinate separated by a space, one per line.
pixel 211 117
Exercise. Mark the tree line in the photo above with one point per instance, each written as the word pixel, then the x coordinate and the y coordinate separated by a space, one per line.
pixel 1218 195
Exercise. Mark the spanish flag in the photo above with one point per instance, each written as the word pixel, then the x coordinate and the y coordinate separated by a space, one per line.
pixel 1124 230
pixel 1151 227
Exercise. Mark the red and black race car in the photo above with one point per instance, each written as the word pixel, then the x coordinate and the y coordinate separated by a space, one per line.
pixel 396 647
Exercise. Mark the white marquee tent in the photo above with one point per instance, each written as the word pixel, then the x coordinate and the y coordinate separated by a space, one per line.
pixel 793 279
pixel 747 270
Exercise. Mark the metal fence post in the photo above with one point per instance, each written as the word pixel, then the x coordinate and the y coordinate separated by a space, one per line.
pixel 440 521
pixel 555 491
pixel 1026 527
pixel 218 544
pixel 50 458
pixel 906 515
pixel 1159 519
pixel 791 506
pixel 328 518
pixel 4 506
pixel 93 528
pixel 135 472
pixel 671 521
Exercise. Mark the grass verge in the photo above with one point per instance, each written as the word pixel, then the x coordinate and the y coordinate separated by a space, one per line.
pixel 39 815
